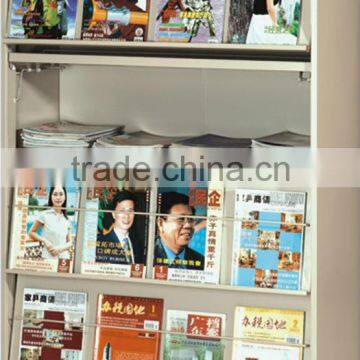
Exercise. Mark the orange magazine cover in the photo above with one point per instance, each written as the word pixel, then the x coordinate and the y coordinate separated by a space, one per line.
pixel 122 322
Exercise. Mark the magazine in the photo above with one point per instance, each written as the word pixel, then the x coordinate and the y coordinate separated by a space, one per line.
pixel 188 248
pixel 117 20
pixel 275 22
pixel 138 138
pixel 43 232
pixel 268 243
pixel 197 21
pixel 281 331
pixel 43 19
pixel 65 134
pixel 208 345
pixel 284 138
pixel 214 141
pixel 116 243
pixel 52 325
pixel 126 328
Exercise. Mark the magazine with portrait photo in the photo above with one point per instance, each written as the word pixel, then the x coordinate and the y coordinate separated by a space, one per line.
pixel 44 228
pixel 115 240
pixel 188 248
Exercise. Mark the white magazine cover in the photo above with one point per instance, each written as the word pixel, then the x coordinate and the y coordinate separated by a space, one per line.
pixel 189 248
pixel 268 239
pixel 194 335
pixel 52 325
pixel 265 334
pixel 44 228
pixel 264 22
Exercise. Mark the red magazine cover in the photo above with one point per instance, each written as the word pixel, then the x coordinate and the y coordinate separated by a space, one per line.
pixel 122 322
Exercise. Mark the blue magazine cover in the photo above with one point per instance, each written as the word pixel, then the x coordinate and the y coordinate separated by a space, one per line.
pixel 268 242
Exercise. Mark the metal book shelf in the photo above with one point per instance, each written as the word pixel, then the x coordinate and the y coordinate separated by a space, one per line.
pixel 208 78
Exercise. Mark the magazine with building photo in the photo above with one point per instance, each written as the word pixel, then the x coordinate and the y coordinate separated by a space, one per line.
pixel 268 243
pixel 42 19
pixel 268 334
pixel 196 21
pixel 117 20
pixel 52 325
pixel 127 328
pixel 188 248
pixel 194 335
pixel 264 22
pixel 44 228
pixel 115 243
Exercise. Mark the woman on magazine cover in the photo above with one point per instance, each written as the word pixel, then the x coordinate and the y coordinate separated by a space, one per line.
pixel 265 23
pixel 263 18
pixel 55 225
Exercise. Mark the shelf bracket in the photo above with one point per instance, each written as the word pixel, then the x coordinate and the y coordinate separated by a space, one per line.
pixel 20 71
pixel 305 76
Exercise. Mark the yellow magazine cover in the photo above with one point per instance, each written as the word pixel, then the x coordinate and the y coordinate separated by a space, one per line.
pixel 268 334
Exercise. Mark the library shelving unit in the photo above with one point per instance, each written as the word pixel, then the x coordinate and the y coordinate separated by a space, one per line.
pixel 229 89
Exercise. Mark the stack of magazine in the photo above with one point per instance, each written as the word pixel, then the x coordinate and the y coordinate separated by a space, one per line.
pixel 184 21
pixel 65 134
pixel 143 138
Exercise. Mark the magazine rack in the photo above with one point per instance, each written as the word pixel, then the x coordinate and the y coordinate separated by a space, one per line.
pixel 274 93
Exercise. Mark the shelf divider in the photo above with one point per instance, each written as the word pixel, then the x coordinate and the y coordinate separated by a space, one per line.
pixel 142 282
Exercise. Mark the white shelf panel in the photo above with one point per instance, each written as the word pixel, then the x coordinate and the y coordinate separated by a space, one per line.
pixel 144 282
pixel 159 62
pixel 159 45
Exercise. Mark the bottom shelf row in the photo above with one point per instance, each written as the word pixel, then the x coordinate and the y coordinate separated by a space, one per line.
pixel 55 322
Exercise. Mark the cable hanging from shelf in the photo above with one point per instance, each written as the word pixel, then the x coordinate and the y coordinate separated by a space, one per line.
pixel 165 332
pixel 26 69
pixel 149 213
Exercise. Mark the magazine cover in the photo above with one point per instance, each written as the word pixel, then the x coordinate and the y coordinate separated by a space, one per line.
pixel 276 328
pixel 209 326
pixel 124 20
pixel 43 232
pixel 42 19
pixel 268 244
pixel 272 22
pixel 116 243
pixel 52 325
pixel 122 323
pixel 197 21
pixel 188 248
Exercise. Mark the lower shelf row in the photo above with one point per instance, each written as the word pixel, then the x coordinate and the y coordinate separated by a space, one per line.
pixel 54 324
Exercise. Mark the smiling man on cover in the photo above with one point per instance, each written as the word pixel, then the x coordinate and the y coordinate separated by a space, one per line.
pixel 175 232
pixel 116 246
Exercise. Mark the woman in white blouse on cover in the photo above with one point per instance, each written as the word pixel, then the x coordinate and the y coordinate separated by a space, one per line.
pixel 56 227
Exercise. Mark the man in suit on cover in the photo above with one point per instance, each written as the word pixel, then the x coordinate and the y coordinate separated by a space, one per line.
pixel 116 246
pixel 175 232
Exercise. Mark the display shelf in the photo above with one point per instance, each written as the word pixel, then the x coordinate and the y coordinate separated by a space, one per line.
pixel 144 282
pixel 160 45
pixel 297 53
pixel 157 62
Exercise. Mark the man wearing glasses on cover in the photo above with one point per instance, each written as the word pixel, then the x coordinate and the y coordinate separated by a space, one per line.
pixel 174 234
